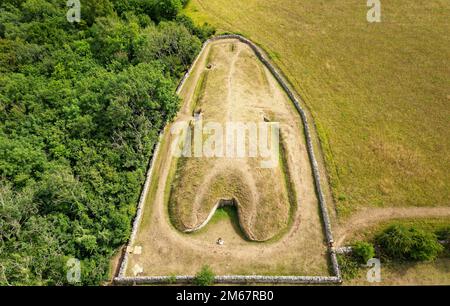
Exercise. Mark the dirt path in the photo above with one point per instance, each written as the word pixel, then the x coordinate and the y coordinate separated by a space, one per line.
pixel 230 95
pixel 371 216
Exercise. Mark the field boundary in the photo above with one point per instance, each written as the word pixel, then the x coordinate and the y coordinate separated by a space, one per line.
pixel 241 279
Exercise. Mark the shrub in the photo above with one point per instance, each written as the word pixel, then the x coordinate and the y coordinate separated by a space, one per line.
pixel 205 277
pixel 363 251
pixel 172 279
pixel 408 243
pixel 443 234
pixel 203 32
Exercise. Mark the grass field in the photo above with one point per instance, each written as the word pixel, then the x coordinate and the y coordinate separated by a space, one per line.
pixel 379 93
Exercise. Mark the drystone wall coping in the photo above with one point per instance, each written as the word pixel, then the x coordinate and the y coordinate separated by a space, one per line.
pixel 344 250
pixel 231 279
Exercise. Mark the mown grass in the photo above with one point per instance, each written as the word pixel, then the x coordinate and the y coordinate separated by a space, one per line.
pixel 378 93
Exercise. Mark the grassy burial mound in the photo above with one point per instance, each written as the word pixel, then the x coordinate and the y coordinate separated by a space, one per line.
pixel 277 205
pixel 234 88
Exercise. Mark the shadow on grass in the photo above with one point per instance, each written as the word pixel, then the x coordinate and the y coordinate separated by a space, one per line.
pixel 223 213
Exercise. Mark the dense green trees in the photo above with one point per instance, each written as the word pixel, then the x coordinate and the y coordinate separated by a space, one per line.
pixel 169 43
pixel 363 251
pixel 156 9
pixel 81 106
pixel 400 242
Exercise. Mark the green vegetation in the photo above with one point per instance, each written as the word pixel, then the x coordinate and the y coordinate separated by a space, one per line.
pixel 401 245
pixel 378 92
pixel 172 279
pixel 352 263
pixel 81 106
pixel 444 235
pixel 363 251
pixel 408 243
pixel 350 267
pixel 205 277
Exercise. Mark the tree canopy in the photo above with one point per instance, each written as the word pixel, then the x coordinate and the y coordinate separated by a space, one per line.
pixel 81 106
